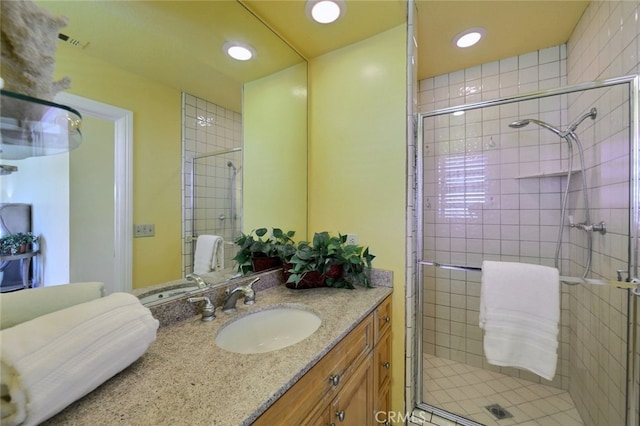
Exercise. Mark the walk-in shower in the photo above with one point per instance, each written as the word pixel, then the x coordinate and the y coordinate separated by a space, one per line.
pixel 215 198
pixel 499 182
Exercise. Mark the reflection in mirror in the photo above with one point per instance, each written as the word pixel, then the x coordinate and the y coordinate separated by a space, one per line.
pixel 212 173
pixel 162 49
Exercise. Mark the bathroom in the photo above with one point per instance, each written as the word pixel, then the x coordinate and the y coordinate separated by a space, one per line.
pixel 375 145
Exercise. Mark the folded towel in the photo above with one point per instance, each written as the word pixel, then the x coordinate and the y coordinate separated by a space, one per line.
pixel 20 306
pixel 520 312
pixel 209 254
pixel 51 361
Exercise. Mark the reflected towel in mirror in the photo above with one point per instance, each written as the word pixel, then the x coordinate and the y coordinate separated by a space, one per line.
pixel 209 255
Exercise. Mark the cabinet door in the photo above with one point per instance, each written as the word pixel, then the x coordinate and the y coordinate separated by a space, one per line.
pixel 353 406
pixel 383 405
pixel 382 366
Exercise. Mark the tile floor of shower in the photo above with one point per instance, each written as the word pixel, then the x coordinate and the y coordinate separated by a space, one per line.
pixel 467 391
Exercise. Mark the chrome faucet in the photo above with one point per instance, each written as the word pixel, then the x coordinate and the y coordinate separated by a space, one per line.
pixel 197 279
pixel 208 311
pixel 229 303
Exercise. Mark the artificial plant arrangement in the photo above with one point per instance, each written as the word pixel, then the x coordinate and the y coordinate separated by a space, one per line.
pixel 258 252
pixel 11 244
pixel 329 261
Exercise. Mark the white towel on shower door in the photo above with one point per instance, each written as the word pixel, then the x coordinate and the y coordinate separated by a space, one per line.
pixel 520 313
pixel 209 255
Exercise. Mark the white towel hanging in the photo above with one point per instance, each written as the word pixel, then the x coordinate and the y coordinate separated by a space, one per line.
pixel 520 312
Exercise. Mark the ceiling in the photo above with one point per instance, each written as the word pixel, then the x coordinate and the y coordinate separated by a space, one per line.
pixel 178 43
pixel 513 27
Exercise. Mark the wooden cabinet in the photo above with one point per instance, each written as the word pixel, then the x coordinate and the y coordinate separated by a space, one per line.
pixel 348 385
pixel 382 363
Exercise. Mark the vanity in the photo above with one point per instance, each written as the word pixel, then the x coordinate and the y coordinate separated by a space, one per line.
pixel 341 371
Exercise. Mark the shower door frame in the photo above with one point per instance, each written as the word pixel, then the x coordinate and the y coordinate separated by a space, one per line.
pixel 192 236
pixel 634 224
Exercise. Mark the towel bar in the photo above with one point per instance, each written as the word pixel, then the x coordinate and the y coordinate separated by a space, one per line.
pixel 634 284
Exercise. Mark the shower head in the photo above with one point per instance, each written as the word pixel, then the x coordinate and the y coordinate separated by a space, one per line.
pixel 230 164
pixel 519 124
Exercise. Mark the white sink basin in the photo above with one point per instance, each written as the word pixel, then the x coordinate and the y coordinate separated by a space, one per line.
pixel 267 330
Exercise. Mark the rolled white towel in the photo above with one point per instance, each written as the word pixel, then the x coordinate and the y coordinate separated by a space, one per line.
pixel 49 362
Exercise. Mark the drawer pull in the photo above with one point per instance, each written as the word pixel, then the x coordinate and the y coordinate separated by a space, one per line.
pixel 387 318
pixel 386 365
pixel 340 415
pixel 335 379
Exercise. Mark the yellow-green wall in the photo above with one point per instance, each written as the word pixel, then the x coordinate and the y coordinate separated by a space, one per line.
pixel 357 160
pixel 156 156
pixel 275 155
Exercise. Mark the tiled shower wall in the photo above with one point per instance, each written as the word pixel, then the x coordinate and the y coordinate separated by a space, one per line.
pixel 603 45
pixel 209 127
pixel 475 208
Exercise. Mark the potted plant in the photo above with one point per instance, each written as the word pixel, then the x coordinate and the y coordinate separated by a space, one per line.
pixel 328 261
pixel 18 243
pixel 257 252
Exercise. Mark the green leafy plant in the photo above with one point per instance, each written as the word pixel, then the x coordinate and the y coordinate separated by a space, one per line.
pixel 256 244
pixel 12 243
pixel 341 264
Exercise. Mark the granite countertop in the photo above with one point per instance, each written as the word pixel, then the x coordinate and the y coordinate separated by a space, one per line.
pixel 185 379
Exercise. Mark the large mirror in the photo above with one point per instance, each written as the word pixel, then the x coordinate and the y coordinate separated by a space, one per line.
pixel 163 63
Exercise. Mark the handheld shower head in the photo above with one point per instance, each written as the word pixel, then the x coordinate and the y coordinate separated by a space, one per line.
pixel 230 164
pixel 519 124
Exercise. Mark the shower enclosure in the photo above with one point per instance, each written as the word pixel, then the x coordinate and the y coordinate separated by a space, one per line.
pixel 215 199
pixel 549 178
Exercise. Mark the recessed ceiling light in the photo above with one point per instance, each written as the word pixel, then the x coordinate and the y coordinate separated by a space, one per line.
pixel 469 37
pixel 325 11
pixel 239 51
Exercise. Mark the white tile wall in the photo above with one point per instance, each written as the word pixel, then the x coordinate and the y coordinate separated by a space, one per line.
pixel 603 45
pixel 208 127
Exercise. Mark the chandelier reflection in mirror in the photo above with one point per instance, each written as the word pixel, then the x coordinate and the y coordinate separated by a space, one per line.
pixel 33 127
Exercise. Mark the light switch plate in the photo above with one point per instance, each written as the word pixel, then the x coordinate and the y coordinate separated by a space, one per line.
pixel 144 230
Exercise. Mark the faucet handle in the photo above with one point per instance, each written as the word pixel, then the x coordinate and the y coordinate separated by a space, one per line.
pixel 249 292
pixel 208 311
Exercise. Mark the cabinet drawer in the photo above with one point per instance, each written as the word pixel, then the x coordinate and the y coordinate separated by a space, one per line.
pixel 336 368
pixel 382 316
pixel 324 380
